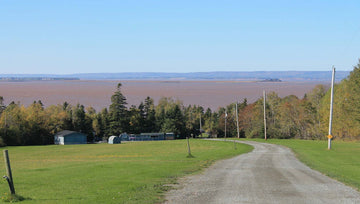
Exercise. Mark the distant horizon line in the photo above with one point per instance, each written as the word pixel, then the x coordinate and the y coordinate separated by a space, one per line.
pixel 150 72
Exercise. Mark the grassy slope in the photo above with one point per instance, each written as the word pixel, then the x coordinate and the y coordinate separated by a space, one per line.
pixel 126 173
pixel 342 162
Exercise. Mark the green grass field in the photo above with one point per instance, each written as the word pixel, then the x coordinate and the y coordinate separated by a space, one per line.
pixel 342 162
pixel 134 172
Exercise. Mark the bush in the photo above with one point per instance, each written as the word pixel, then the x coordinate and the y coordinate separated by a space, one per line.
pixel 2 144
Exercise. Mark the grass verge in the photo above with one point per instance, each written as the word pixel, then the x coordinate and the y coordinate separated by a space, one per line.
pixel 134 172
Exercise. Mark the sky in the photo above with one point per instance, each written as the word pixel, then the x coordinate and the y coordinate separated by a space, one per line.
pixel 105 36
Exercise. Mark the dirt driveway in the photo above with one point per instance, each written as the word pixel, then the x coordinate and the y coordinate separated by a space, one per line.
pixel 268 174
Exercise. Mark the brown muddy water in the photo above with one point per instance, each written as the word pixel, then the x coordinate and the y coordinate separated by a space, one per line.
pixel 212 94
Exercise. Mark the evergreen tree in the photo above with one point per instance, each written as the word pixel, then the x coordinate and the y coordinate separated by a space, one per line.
pixel 68 119
pixel 96 125
pixel 118 112
pixel 174 122
pixel 82 122
pixel 135 120
pixel 78 118
pixel 149 116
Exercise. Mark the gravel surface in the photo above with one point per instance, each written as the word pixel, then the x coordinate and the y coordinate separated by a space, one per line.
pixel 268 174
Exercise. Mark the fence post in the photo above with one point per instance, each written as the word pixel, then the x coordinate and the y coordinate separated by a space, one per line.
pixel 8 172
pixel 188 144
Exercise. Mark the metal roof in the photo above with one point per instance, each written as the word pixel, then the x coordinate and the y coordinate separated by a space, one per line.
pixel 65 133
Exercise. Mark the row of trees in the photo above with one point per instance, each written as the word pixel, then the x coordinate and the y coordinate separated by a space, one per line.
pixel 36 125
pixel 288 117
pixel 308 117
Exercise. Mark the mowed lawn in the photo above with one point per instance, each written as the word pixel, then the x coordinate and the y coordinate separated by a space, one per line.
pixel 134 172
pixel 342 162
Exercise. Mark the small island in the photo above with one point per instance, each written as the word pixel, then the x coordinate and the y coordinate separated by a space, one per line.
pixel 271 80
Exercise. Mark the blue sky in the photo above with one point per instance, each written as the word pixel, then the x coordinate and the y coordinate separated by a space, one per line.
pixel 88 36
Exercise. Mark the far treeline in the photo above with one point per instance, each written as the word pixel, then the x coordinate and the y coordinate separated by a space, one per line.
pixel 288 117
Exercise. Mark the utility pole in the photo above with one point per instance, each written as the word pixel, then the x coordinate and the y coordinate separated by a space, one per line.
pixel 5 124
pixel 265 115
pixel 331 108
pixel 200 122
pixel 237 120
pixel 200 126
pixel 225 123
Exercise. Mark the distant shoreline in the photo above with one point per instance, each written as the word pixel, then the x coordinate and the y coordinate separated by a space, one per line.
pixel 164 81
pixel 24 79
pixel 271 76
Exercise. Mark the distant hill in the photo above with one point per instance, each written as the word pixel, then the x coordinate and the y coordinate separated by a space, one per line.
pixel 265 76
pixel 29 78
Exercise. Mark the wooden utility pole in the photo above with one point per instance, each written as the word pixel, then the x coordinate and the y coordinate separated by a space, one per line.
pixel 237 121
pixel 331 108
pixel 265 115
pixel 200 122
pixel 5 124
pixel 200 126
pixel 225 123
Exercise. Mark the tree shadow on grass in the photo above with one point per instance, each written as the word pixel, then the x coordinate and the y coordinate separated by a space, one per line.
pixel 12 198
pixel 190 156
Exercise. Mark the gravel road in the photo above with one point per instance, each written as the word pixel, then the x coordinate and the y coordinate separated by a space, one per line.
pixel 268 174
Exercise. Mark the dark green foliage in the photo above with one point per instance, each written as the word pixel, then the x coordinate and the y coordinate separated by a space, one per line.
pixel 136 120
pixel 79 118
pixel 170 117
pixel 148 114
pixel 118 114
pixel 68 119
pixel 82 122
pixel 105 123
pixel 174 122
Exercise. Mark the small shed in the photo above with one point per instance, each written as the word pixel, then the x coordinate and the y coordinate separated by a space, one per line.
pixel 114 140
pixel 66 137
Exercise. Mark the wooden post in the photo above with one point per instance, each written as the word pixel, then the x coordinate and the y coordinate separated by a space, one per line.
pixel 188 144
pixel 8 172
